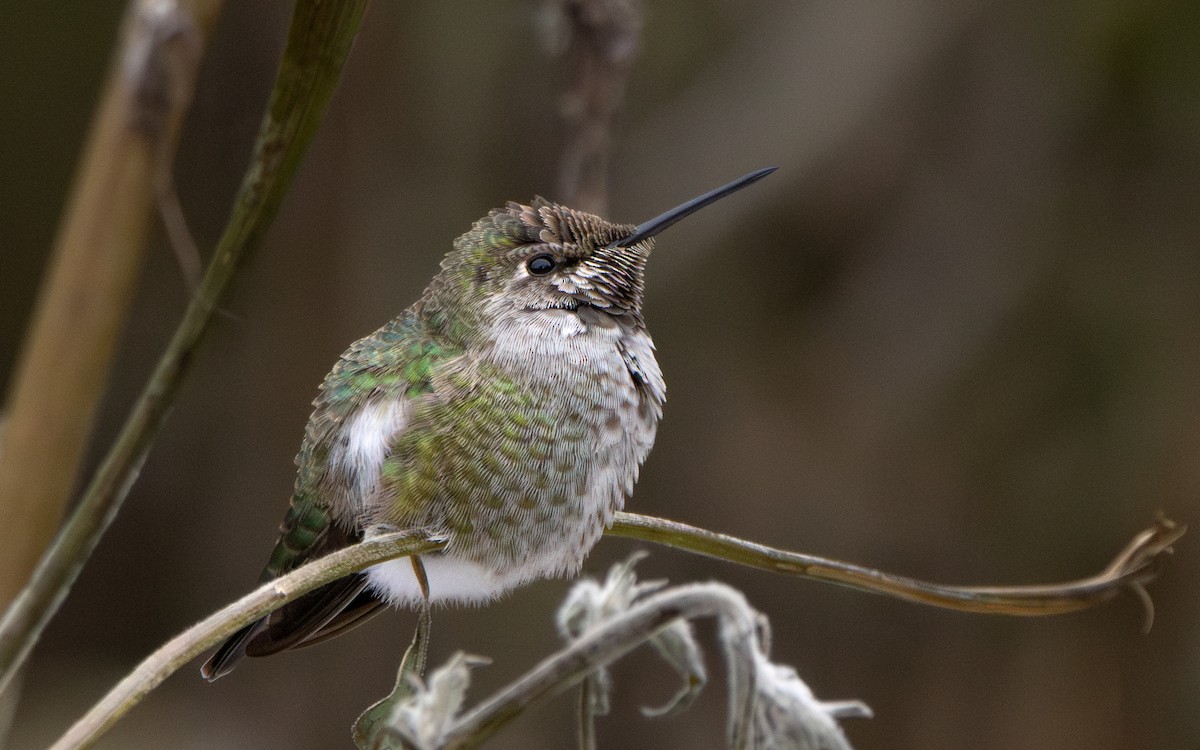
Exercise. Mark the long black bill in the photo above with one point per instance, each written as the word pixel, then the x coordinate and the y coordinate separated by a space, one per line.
pixel 662 221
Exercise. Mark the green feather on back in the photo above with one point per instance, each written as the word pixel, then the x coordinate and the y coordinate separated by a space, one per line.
pixel 395 361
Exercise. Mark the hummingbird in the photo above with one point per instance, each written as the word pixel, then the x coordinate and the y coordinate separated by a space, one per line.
pixel 507 412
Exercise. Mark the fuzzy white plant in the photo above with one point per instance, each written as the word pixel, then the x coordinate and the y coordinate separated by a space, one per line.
pixel 592 603
pixel 423 719
pixel 771 708
pixel 786 715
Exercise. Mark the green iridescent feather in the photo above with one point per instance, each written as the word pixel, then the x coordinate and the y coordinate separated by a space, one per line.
pixel 394 362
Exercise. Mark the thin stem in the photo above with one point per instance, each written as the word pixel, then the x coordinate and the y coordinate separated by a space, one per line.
pixel 210 631
pixel 1132 568
pixel 318 42
pixel 417 655
pixel 587 718
pixel 373 729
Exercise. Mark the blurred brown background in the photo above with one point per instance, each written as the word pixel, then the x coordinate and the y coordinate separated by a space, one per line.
pixel 956 336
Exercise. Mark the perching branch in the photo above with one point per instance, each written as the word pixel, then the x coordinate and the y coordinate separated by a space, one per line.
pixel 318 42
pixel 1134 567
pixel 210 631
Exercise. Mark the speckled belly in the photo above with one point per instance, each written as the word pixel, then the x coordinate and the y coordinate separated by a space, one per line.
pixel 522 461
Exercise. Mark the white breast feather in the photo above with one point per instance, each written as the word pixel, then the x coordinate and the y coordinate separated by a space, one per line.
pixel 366 439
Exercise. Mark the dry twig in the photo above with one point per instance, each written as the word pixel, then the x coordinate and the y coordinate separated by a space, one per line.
pixel 599 39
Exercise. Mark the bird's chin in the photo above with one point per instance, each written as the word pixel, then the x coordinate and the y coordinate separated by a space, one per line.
pixel 568 305
pixel 586 314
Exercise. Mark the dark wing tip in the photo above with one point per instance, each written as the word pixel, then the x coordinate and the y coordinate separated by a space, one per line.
pixel 231 651
pixel 309 617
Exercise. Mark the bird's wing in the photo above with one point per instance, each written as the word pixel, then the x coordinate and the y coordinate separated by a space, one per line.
pixel 393 364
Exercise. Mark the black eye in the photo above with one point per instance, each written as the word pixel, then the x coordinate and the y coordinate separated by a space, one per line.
pixel 540 265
